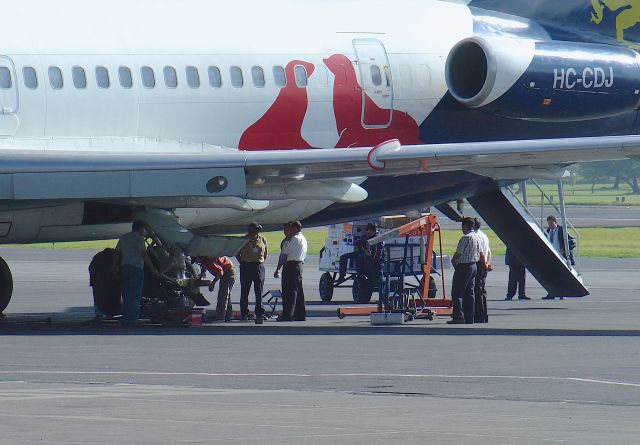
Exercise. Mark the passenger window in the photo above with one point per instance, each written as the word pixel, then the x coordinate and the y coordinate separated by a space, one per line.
pixel 30 77
pixel 215 79
pixel 257 73
pixel 55 78
pixel 126 79
pixel 148 77
pixel 301 76
pixel 237 79
pixel 5 78
pixel 279 76
pixel 102 77
pixel 170 77
pixel 193 77
pixel 376 75
pixel 79 77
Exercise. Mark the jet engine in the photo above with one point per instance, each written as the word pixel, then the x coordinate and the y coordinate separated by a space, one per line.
pixel 544 81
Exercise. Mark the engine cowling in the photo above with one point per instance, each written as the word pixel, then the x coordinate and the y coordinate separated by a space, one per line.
pixel 544 81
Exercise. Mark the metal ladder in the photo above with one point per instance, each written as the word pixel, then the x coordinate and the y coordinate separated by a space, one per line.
pixel 560 209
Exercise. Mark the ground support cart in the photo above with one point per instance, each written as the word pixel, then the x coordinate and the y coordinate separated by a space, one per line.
pixel 397 293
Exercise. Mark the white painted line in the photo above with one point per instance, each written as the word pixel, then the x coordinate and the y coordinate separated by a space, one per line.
pixel 324 375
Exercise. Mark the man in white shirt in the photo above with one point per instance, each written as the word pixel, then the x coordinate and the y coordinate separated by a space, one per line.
pixel 293 305
pixel 483 267
pixel 467 255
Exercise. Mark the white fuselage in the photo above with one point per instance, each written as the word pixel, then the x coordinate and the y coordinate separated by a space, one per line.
pixel 218 70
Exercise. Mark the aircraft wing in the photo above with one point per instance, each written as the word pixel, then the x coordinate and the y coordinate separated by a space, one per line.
pixel 391 158
pixel 135 168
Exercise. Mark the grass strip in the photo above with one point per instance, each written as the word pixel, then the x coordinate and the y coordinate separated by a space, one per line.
pixel 595 242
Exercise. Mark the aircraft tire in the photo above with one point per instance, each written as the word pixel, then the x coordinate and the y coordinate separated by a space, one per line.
pixel 6 284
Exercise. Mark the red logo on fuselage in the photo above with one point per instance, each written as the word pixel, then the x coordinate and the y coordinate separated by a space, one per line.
pixel 281 126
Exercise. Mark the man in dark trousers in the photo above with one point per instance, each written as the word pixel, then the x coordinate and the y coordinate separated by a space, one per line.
pixel 282 258
pixel 517 277
pixel 468 253
pixel 374 259
pixel 555 235
pixel 252 257
pixel 483 268
pixel 295 249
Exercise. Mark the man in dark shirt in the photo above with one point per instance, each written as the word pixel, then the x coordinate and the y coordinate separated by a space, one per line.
pixel 373 259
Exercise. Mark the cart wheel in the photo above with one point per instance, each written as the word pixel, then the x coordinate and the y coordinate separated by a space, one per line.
pixel 326 287
pixel 340 314
pixel 360 290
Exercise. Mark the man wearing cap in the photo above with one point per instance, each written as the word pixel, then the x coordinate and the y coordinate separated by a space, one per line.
pixel 252 257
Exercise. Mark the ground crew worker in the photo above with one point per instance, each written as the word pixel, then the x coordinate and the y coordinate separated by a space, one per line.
pixel 223 271
pixel 483 268
pixel 468 253
pixel 517 277
pixel 282 259
pixel 130 258
pixel 295 249
pixel 374 259
pixel 252 257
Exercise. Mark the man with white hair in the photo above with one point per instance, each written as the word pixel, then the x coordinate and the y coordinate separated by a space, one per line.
pixel 483 267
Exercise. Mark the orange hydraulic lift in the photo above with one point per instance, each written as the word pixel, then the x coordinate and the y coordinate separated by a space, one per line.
pixel 425 227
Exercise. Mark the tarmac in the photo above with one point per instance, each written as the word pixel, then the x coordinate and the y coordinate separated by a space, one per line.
pixel 562 371
pixel 579 215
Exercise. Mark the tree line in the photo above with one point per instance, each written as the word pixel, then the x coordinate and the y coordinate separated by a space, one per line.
pixel 625 171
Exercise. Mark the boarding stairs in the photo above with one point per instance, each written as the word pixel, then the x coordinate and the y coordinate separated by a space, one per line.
pixel 523 233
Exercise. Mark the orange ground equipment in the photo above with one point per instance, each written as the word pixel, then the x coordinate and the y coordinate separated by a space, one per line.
pixel 415 301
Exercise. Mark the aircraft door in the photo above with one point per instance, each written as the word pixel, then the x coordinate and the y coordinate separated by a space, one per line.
pixel 8 97
pixel 377 85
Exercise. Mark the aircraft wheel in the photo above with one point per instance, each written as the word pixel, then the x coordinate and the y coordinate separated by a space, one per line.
pixel 360 290
pixel 326 287
pixel 6 285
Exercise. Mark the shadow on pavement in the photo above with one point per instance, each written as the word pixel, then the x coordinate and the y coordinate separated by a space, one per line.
pixel 46 324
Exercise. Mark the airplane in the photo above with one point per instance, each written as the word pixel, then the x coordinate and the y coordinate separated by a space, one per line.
pixel 199 116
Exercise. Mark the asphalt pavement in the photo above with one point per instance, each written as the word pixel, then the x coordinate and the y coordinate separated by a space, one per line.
pixel 580 216
pixel 562 371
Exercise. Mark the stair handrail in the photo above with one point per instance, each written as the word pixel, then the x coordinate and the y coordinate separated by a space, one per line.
pixel 567 222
